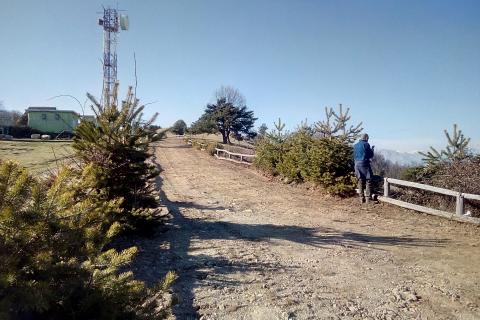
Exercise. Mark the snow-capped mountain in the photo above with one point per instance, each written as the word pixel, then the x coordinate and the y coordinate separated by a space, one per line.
pixel 402 158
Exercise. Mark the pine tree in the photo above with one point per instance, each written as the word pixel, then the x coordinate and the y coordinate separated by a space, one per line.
pixel 278 135
pixel 179 127
pixel 262 130
pixel 269 150
pixel 52 240
pixel 335 125
pixel 228 115
pixel 456 149
pixel 118 148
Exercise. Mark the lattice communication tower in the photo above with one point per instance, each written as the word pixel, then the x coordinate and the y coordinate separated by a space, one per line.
pixel 112 23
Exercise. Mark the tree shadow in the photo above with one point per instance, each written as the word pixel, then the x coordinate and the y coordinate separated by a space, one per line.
pixel 170 249
pixel 180 146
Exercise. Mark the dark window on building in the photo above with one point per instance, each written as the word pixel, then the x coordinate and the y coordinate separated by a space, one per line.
pixel 44 116
pixel 57 116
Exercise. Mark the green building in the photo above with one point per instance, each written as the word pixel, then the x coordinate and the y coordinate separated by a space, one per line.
pixel 49 119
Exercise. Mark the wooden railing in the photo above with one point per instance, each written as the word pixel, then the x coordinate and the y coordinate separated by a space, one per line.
pixel 201 144
pixel 460 197
pixel 227 155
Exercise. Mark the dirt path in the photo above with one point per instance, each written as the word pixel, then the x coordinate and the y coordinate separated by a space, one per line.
pixel 249 248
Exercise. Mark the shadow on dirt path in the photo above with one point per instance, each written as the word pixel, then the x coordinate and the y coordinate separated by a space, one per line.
pixel 172 249
pixel 247 247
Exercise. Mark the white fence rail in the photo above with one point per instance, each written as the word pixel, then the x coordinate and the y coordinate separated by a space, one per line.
pixel 460 197
pixel 223 154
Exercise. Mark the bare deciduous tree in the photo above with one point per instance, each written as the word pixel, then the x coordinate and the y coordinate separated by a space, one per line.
pixel 231 95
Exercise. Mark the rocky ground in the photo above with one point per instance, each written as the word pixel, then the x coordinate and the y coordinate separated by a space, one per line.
pixel 246 247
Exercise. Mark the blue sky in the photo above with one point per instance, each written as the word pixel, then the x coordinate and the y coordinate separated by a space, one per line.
pixel 407 69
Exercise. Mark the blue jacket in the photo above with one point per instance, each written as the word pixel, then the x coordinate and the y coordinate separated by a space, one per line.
pixel 362 151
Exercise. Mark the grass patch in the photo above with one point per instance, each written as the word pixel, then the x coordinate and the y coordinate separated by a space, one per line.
pixel 37 156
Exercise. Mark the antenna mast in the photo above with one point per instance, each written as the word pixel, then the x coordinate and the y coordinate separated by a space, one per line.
pixel 112 22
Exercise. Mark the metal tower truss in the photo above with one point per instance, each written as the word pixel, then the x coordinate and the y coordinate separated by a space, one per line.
pixel 110 23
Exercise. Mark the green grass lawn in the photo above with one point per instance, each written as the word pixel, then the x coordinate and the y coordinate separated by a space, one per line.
pixel 37 156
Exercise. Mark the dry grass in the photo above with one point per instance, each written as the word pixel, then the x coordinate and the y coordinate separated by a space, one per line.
pixel 37 156
pixel 218 138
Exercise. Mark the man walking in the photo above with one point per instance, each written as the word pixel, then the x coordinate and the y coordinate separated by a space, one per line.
pixel 362 155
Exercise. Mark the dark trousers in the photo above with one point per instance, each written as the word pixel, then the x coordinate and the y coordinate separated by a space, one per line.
pixel 365 188
pixel 364 174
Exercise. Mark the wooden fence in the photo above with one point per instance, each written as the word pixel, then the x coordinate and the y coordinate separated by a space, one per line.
pixel 460 197
pixel 232 156
pixel 458 215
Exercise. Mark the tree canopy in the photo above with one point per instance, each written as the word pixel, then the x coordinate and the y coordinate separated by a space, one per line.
pixel 228 116
pixel 262 130
pixel 179 127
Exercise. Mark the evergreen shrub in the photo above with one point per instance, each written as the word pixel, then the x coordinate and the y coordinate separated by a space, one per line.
pixel 24 132
pixel 52 239
pixel 117 145
pixel 268 156
pixel 330 164
pixel 294 163
pixel 325 161
pixel 211 146
pixel 455 167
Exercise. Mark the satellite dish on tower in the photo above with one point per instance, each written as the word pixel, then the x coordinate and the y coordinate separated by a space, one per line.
pixel 124 22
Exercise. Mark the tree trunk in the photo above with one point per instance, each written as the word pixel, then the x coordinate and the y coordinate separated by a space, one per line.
pixel 224 137
pixel 227 134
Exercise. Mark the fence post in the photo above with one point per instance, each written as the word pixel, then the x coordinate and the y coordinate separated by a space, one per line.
pixel 459 210
pixel 386 187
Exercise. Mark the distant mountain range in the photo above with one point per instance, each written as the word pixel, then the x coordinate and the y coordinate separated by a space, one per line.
pixel 402 158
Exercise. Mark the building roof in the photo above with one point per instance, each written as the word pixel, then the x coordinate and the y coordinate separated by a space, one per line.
pixel 49 109
pixel 41 109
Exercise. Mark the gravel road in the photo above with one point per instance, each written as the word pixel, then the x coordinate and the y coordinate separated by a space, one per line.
pixel 246 247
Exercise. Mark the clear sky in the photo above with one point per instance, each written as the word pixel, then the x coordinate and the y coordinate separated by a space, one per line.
pixel 408 69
